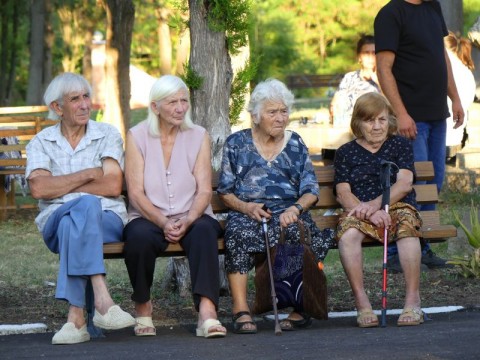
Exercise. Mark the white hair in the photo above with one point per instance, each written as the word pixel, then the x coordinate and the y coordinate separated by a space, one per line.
pixel 164 87
pixel 269 90
pixel 62 85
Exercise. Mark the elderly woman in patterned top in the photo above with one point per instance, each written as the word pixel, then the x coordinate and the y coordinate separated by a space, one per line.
pixel 359 190
pixel 266 166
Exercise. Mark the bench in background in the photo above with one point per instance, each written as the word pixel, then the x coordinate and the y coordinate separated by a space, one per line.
pixel 21 123
pixel 304 81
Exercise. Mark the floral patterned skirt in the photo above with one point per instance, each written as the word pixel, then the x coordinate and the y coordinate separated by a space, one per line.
pixel 244 238
pixel 406 222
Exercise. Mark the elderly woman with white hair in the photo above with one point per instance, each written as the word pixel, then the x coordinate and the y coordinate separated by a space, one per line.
pixel 266 165
pixel 169 180
pixel 74 168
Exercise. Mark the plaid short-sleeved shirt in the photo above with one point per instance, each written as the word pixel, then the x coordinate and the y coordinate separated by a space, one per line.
pixel 49 150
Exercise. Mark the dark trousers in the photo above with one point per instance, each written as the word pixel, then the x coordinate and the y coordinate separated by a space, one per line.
pixel 144 241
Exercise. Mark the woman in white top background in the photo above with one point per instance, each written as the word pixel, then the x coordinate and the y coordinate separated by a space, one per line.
pixel 459 51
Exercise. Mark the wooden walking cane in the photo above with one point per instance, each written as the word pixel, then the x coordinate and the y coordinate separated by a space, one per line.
pixel 278 329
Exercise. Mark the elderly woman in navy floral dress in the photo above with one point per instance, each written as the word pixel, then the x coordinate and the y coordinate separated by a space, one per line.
pixel 266 166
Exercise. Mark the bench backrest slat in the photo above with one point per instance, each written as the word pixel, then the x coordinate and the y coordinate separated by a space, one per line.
pixel 23 109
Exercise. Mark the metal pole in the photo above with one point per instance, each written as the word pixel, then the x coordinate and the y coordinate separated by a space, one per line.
pixel 278 329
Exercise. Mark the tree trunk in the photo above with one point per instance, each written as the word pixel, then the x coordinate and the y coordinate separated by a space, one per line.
pixel 87 56
pixel 4 51
pixel 453 13
pixel 120 18
pixel 13 55
pixel 209 59
pixel 49 39
pixel 164 42
pixel 183 47
pixel 37 48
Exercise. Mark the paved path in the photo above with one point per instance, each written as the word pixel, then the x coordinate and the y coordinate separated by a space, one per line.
pixel 446 336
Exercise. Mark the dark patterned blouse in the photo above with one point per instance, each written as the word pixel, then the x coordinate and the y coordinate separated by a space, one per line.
pixel 361 169
pixel 277 183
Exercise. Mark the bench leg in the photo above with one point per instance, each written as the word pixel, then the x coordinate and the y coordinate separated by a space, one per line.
pixel 94 331
pixel 3 199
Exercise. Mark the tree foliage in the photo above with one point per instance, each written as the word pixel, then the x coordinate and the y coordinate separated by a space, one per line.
pixel 285 36
pixel 309 36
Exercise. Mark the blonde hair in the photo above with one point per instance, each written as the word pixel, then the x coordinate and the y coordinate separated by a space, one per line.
pixel 162 88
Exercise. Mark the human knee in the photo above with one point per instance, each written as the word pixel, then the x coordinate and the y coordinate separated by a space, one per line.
pixel 408 245
pixel 351 237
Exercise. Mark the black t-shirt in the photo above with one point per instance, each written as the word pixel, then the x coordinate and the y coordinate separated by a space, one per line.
pixel 415 34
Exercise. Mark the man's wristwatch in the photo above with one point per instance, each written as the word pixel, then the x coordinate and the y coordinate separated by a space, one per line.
pixel 299 207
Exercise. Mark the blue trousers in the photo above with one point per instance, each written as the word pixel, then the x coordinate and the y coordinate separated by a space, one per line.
pixel 77 231
pixel 429 145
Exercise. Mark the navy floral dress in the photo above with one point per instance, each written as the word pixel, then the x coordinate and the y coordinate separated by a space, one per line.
pixel 278 184
pixel 361 168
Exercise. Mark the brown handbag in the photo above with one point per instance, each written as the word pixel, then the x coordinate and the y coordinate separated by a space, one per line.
pixel 313 283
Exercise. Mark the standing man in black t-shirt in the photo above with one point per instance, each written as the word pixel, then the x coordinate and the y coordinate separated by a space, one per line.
pixel 415 75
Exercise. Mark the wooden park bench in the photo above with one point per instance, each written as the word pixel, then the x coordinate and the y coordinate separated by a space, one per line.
pixel 304 81
pixel 21 124
pixel 432 230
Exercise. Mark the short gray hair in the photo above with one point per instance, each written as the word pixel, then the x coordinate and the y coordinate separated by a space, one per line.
pixel 269 90
pixel 162 88
pixel 62 85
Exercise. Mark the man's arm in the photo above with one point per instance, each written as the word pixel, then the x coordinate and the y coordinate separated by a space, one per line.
pixel 458 114
pixel 105 181
pixel 388 83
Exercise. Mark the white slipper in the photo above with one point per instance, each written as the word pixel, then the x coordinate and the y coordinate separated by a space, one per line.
pixel 207 324
pixel 114 319
pixel 69 334
pixel 144 322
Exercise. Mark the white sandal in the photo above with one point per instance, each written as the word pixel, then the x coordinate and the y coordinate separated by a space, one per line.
pixel 202 331
pixel 144 322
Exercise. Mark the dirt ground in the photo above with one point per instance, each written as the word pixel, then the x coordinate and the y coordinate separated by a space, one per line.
pixel 438 288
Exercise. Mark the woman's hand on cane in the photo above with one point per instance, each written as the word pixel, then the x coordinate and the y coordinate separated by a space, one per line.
pixel 381 219
pixel 257 211
pixel 364 210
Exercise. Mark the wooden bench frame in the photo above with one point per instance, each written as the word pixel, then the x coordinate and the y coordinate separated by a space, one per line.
pixel 19 122
pixel 432 230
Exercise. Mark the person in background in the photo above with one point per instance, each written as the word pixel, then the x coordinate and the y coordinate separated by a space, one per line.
pixel 74 168
pixel 355 83
pixel 416 76
pixel 358 187
pixel 266 166
pixel 168 173
pixel 459 52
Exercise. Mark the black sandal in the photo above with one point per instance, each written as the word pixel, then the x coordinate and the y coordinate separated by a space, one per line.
pixel 290 325
pixel 238 327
